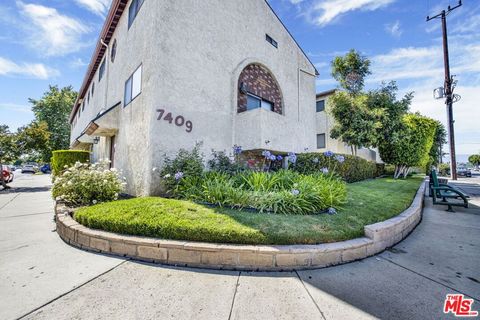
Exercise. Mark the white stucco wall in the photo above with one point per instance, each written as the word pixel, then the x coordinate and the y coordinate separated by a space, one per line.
pixel 192 53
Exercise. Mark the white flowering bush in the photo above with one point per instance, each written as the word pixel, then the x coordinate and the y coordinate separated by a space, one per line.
pixel 87 184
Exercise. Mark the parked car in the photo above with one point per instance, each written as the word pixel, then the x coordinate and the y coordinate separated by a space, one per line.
pixel 29 168
pixel 7 173
pixel 46 168
pixel 464 172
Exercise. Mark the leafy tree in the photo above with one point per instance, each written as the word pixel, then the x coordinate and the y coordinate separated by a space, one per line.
pixel 54 109
pixel 355 124
pixel 350 71
pixel 33 140
pixel 8 147
pixel 412 144
pixel 8 150
pixel 439 140
pixel 474 159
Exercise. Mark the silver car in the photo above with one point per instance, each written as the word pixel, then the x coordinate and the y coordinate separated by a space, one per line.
pixel 28 168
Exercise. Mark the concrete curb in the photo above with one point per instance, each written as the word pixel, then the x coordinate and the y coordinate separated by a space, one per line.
pixel 378 237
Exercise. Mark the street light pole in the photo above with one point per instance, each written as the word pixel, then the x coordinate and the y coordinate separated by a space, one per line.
pixel 448 89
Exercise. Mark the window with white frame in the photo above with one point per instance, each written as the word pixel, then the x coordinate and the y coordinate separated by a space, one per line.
pixel 133 86
pixel 254 102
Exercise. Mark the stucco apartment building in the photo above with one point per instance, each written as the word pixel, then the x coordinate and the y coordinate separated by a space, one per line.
pixel 325 124
pixel 167 74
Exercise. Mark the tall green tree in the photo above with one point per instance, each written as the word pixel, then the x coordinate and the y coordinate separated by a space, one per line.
pixel 355 124
pixel 412 144
pixel 54 109
pixel 350 71
pixel 436 152
pixel 33 141
pixel 474 159
pixel 390 111
pixel 8 150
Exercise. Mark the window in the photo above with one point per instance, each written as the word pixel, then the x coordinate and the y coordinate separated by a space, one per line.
pixel 101 71
pixel 133 86
pixel 271 41
pixel 254 102
pixel 257 88
pixel 320 105
pixel 114 50
pixel 88 98
pixel 83 105
pixel 133 11
pixel 93 88
pixel 321 141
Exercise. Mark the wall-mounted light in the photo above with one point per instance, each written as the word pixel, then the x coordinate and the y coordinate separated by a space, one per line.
pixel 96 140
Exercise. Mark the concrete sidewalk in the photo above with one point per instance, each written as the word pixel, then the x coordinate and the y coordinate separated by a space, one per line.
pixel 409 281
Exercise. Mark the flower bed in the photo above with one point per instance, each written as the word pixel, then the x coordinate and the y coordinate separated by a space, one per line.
pixel 367 202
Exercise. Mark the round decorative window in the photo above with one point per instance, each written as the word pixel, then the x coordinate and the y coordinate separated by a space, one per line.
pixel 114 50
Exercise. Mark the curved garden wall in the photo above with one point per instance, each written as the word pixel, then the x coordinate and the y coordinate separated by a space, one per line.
pixel 378 237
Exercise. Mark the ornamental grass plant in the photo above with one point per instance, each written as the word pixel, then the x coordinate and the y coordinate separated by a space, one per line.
pixel 281 192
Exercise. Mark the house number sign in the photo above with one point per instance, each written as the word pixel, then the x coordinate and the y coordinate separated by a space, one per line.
pixel 179 120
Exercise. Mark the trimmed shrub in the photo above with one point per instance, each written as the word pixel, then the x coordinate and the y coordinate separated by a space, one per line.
pixel 63 159
pixel 86 184
pixel 349 168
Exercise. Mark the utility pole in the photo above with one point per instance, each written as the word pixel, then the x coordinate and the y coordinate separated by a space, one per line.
pixel 448 88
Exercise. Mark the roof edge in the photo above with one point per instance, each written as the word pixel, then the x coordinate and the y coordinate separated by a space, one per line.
pixel 293 38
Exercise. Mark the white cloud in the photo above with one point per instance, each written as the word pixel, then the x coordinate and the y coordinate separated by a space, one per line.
pixel 324 12
pixel 16 107
pixel 51 33
pixel 464 113
pixel 78 63
pixel 98 7
pixel 407 63
pixel 394 29
pixel 29 70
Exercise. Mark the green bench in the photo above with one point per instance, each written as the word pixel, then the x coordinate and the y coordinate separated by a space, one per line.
pixel 442 192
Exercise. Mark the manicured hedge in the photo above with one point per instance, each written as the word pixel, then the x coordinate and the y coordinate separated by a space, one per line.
pixel 62 158
pixel 352 169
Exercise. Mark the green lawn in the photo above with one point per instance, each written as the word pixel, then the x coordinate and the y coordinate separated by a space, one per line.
pixel 368 202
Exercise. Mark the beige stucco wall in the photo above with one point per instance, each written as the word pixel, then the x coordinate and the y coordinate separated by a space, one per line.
pixel 192 53
pixel 325 122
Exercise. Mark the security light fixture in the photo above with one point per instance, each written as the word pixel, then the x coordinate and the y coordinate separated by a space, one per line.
pixel 96 140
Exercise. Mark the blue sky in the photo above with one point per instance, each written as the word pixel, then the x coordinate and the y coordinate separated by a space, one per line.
pixel 51 41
